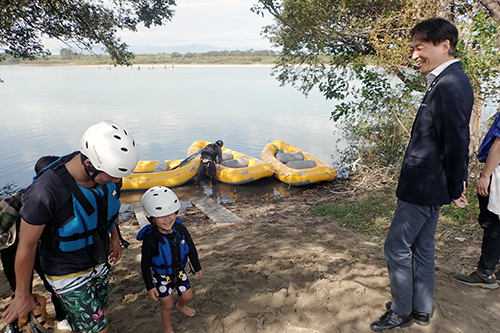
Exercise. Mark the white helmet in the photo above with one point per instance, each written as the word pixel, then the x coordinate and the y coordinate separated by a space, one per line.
pixel 160 201
pixel 110 148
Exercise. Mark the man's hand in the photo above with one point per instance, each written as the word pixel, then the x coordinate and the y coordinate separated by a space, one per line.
pixel 482 185
pixel 462 202
pixel 20 306
pixel 115 253
pixel 115 250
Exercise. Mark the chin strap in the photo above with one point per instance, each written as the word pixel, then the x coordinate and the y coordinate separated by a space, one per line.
pixel 90 170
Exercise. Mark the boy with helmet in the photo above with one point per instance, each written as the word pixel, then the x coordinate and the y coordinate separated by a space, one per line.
pixel 166 248
pixel 73 206
pixel 211 154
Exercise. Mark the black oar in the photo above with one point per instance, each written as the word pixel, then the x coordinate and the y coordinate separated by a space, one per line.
pixel 187 159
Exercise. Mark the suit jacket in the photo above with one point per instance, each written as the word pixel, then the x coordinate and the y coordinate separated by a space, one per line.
pixel 436 160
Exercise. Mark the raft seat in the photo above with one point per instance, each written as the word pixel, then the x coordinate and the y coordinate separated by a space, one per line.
pixel 287 157
pixel 161 166
pixel 227 156
pixel 305 164
pixel 236 163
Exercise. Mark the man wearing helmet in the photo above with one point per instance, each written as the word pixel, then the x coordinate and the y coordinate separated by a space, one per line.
pixel 211 154
pixel 166 248
pixel 73 206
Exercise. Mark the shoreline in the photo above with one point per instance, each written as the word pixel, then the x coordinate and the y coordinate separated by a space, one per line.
pixel 146 65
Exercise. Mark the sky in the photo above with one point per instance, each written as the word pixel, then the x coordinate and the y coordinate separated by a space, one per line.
pixel 220 23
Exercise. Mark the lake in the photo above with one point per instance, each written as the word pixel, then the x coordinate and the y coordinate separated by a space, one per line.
pixel 45 111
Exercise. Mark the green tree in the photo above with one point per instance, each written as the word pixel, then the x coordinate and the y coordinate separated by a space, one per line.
pixel 85 23
pixel 68 54
pixel 359 53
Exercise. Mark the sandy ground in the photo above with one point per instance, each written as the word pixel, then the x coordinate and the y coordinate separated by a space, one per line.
pixel 287 270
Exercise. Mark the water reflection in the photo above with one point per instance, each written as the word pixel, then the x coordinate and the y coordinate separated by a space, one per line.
pixel 224 193
pixel 49 108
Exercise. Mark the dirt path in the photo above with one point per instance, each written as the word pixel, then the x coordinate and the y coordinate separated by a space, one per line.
pixel 287 270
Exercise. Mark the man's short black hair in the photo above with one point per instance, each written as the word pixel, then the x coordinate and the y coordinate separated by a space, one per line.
pixel 436 30
pixel 43 162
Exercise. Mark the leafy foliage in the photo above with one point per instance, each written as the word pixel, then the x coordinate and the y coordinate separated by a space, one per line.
pixel 86 23
pixel 328 45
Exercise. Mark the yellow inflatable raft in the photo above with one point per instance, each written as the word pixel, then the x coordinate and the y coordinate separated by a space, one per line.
pixel 236 168
pixel 295 166
pixel 161 173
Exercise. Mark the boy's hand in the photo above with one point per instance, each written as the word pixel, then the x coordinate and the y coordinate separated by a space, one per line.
pixel 199 273
pixel 153 294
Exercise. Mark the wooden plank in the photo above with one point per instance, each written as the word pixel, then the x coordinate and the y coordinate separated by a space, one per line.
pixel 139 215
pixel 215 212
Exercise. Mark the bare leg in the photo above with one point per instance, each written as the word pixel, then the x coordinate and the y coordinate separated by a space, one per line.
pixel 167 303
pixel 183 300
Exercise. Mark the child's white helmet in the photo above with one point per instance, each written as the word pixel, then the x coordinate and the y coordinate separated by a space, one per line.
pixel 160 201
pixel 110 148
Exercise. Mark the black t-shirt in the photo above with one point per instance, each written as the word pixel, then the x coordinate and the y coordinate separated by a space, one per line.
pixel 48 202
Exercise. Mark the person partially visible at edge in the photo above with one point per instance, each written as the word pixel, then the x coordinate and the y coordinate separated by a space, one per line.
pixel 488 194
pixel 433 173
pixel 166 248
pixel 210 154
pixel 73 208
pixel 8 254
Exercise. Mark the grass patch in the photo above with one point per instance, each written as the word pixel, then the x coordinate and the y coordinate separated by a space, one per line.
pixel 370 212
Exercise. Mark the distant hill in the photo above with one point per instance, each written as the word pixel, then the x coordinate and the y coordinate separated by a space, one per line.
pixel 182 49
pixel 148 49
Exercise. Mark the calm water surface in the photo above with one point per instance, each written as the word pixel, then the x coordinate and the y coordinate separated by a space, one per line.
pixel 45 111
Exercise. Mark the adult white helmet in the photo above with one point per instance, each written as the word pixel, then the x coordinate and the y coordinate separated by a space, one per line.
pixel 160 201
pixel 110 148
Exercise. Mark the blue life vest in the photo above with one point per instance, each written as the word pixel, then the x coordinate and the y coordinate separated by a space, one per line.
pixel 95 212
pixel 163 263
pixel 81 230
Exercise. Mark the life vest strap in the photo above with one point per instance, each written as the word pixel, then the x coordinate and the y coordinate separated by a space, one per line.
pixel 70 183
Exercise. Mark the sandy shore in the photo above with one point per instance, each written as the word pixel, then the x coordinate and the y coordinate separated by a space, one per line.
pixel 286 270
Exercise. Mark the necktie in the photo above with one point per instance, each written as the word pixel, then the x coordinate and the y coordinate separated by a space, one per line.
pixel 430 79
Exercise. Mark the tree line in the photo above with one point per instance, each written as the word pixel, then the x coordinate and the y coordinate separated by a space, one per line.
pixel 69 56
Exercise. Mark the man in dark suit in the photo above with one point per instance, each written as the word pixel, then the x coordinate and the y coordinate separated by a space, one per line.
pixel 433 174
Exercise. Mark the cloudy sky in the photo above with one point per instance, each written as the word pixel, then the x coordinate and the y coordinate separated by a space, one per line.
pixel 221 23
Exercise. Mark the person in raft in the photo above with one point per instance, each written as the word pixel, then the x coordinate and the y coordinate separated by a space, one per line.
pixel 210 154
pixel 166 248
